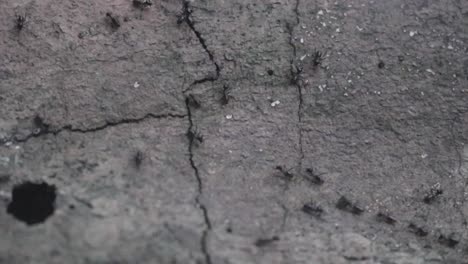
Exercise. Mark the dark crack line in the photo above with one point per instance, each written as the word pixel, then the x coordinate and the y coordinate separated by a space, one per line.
pixel 459 207
pixel 108 124
pixel 204 239
pixel 187 18
pixel 297 83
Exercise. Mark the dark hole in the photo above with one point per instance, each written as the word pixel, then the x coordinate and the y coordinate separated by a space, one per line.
pixel 381 65
pixel 229 230
pixel 32 203
pixel 270 72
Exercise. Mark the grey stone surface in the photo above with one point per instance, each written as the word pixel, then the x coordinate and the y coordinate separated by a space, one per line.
pixel 196 131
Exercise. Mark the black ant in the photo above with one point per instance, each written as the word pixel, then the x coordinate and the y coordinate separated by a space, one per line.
pixel 20 22
pixel 417 230
pixel 432 195
pixel 142 3
pixel 194 134
pixel 317 58
pixel 138 158
pixel 41 127
pixel 312 209
pixel 261 242
pixel 192 101
pixel 447 241
pixel 384 218
pixel 345 205
pixel 185 14
pixel 286 174
pixel 314 178
pixel 226 94
pixel 113 20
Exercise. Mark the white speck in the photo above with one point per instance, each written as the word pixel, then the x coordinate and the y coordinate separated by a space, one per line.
pixel 338 30
pixel 323 24
pixel 450 47
pixel 358 28
pixel 350 81
pixel 320 88
pixel 8 143
pixel 303 57
pixel 412 33
pixel 275 103
pixel 345 94
pixel 136 85
pixel 302 40
pixel 17 147
pixel 424 155
pixel 422 93
pixel 320 12
pixel 229 117
pixel 261 150
pixel 430 71
pixel 230 151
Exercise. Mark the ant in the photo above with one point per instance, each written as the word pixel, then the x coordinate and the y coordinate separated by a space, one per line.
pixel 226 94
pixel 314 178
pixel 184 16
pixel 113 20
pixel 261 242
pixel 286 174
pixel 192 101
pixel 317 58
pixel 138 158
pixel 194 134
pixel 312 209
pixel 434 192
pixel 142 3
pixel 20 22
pixel 345 205
pixel 447 241
pixel 382 217
pixel 417 230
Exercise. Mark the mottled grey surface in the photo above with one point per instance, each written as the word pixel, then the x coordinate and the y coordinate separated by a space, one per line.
pixel 380 117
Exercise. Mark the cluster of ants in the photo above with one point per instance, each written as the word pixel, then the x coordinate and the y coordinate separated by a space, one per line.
pixel 344 204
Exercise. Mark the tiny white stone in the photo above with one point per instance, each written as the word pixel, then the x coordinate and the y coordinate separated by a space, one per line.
pixel 430 71
pixel 275 103
pixel 303 57
pixel 229 117
pixel 412 33
pixel 302 40
pixel 320 12
pixel 338 30
pixel 136 85
pixel 424 155
pixel 358 28
pixel 450 47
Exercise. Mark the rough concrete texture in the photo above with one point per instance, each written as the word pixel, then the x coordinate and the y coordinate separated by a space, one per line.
pixel 212 131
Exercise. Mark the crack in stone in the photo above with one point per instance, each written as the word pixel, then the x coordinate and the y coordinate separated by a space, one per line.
pixel 186 17
pixel 297 83
pixel 108 124
pixel 204 244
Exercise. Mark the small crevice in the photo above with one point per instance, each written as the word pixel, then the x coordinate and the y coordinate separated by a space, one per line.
pixel 186 16
pixel 204 238
pixel 44 129
pixel 295 72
